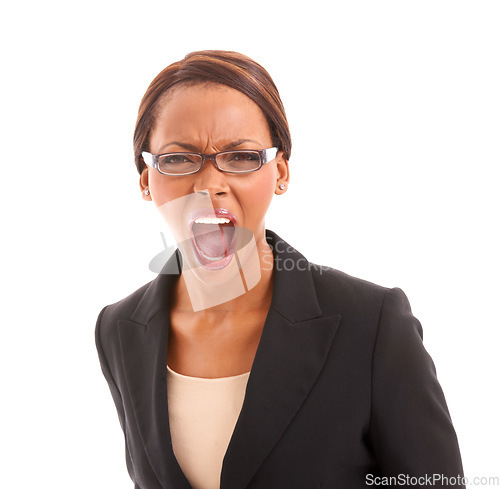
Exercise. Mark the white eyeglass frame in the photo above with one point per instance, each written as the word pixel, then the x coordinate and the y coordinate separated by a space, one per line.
pixel 265 156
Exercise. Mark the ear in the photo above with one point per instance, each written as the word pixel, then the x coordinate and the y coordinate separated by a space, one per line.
pixel 283 173
pixel 144 184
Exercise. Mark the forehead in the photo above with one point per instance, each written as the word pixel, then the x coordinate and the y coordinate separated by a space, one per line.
pixel 205 115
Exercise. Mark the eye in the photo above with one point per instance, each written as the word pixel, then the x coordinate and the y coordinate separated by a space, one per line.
pixel 239 161
pixel 176 159
pixel 243 156
pixel 179 163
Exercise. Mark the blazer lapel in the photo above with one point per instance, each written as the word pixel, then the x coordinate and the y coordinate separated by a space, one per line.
pixel 143 343
pixel 281 379
pixel 293 347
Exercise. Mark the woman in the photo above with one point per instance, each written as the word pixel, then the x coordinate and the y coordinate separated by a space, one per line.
pixel 242 365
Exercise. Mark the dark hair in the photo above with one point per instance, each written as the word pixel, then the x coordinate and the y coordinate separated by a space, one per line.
pixel 227 68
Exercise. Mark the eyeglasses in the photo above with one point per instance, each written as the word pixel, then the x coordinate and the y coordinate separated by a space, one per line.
pixel 238 161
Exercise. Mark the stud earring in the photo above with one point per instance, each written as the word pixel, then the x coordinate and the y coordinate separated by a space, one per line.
pixel 282 186
pixel 145 191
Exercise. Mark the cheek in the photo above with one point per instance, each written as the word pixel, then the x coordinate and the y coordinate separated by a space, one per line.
pixel 257 196
pixel 164 189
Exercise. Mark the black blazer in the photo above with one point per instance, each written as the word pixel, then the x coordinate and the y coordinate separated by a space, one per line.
pixel 341 390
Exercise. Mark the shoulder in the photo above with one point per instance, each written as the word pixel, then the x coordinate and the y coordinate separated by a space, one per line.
pixel 336 292
pixel 385 313
pixel 337 288
pixel 112 313
pixel 125 307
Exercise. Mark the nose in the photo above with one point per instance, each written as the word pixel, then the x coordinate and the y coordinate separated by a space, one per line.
pixel 210 179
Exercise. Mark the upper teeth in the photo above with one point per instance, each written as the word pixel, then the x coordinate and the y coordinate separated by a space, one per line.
pixel 212 220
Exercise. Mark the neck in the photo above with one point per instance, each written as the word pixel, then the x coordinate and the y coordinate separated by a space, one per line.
pixel 258 297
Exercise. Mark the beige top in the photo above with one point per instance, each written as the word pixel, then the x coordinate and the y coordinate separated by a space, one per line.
pixel 202 414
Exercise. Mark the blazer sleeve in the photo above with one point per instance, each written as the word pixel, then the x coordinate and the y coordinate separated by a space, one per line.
pixel 410 428
pixel 115 393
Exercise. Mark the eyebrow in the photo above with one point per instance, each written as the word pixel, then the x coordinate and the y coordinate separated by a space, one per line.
pixel 194 149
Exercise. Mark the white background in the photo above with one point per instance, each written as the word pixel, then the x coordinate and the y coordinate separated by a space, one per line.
pixel 394 109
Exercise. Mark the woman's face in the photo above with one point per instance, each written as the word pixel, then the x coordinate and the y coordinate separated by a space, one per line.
pixel 209 119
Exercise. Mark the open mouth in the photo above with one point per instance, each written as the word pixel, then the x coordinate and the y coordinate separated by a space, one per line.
pixel 213 237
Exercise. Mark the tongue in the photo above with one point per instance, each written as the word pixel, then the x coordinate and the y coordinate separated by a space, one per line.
pixel 213 240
